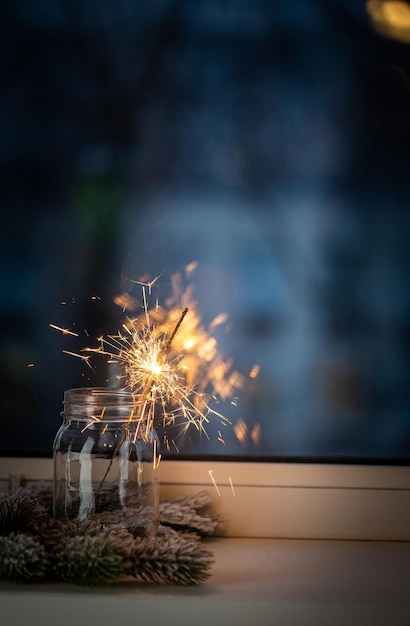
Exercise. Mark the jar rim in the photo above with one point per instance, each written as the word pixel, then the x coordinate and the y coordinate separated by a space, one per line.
pixel 98 393
pixel 102 403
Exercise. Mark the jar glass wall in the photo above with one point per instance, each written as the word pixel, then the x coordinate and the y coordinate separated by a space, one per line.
pixel 105 457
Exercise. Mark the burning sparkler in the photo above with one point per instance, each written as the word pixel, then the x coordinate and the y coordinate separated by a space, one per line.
pixel 169 357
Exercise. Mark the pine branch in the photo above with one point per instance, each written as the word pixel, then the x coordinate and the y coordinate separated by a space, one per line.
pixel 198 501
pixel 173 560
pixel 41 490
pixel 23 559
pixel 50 532
pixel 183 517
pixel 18 511
pixel 107 546
pixel 188 513
pixel 85 560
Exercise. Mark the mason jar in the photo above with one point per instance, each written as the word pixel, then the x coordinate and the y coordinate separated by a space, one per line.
pixel 106 457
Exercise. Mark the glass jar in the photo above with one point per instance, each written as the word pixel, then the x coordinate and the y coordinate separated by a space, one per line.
pixel 105 457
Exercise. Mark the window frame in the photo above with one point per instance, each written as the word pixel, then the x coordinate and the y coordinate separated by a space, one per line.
pixel 280 500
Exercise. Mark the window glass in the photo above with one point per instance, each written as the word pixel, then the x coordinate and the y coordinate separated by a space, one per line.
pixel 258 151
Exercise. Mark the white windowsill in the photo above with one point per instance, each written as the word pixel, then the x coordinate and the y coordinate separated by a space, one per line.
pixel 280 500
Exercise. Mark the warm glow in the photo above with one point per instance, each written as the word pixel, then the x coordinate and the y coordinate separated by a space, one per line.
pixel 241 431
pixel 155 368
pixel 170 358
pixel 390 18
pixel 189 344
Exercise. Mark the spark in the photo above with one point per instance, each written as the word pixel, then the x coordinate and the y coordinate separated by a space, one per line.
pixel 30 364
pixel 220 438
pixel 233 490
pixel 80 356
pixel 241 431
pixel 156 459
pixel 254 373
pixel 144 297
pixel 141 282
pixel 126 302
pixel 191 267
pixel 219 319
pixel 65 331
pixel 256 435
pixel 210 472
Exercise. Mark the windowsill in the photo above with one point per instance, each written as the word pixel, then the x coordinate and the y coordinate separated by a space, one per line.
pixel 275 500
pixel 253 581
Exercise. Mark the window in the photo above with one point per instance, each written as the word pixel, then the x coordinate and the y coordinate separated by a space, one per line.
pixel 267 143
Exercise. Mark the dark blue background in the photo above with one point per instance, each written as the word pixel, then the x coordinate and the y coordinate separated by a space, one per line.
pixel 269 141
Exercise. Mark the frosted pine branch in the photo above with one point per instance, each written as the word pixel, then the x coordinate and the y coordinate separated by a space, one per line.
pixel 22 558
pixel 171 560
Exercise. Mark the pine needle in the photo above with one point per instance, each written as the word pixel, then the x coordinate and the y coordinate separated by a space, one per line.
pixel 17 511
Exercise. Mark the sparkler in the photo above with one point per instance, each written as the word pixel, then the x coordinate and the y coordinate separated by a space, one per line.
pixel 194 346
pixel 169 358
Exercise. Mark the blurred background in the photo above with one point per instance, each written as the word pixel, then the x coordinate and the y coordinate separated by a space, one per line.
pixel 269 142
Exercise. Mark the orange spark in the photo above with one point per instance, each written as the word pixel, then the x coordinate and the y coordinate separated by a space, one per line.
pixel 213 480
pixel 65 331
pixel 254 371
pixel 141 282
pixel 220 438
pixel 79 356
pixel 256 435
pixel 241 431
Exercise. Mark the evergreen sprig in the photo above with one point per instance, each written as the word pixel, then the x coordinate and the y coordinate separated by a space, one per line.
pixel 174 560
pixel 185 518
pixel 91 560
pixel 40 490
pixel 50 532
pixel 17 511
pixel 23 558
pixel 106 547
